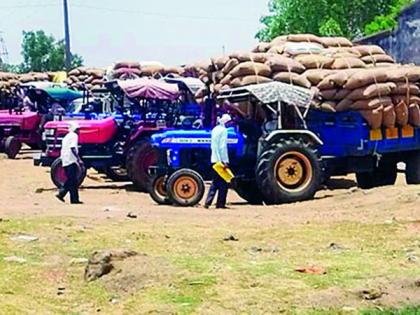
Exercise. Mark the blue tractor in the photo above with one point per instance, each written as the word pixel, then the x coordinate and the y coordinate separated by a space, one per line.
pixel 283 150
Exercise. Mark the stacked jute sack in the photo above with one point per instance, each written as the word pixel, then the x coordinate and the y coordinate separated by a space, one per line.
pixel 84 77
pixel 131 70
pixel 8 81
pixel 344 77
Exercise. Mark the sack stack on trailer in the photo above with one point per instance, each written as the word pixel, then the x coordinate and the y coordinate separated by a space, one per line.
pixel 126 70
pixel 83 77
pixel 344 77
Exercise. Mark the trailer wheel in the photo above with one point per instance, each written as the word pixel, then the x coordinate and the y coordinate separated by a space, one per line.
pixel 116 174
pixel 248 190
pixel 158 190
pixel 289 171
pixel 412 168
pixel 58 176
pixel 12 147
pixel 185 188
pixel 383 175
pixel 140 157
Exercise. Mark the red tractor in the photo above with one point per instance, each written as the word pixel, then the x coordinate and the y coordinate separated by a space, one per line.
pixel 120 145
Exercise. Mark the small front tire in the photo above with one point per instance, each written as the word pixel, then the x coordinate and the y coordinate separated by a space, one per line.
pixel 158 191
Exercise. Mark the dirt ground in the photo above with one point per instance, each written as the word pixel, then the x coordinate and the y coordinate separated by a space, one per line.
pixel 377 230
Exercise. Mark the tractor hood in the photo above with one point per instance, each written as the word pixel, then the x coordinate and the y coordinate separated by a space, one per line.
pixel 24 120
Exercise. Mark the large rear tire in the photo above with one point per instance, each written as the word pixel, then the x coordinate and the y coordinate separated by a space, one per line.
pixel 58 176
pixel 12 147
pixel 248 190
pixel 383 175
pixel 288 171
pixel 158 191
pixel 139 159
pixel 412 168
pixel 185 188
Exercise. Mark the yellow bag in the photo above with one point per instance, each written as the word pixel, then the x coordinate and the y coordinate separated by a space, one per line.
pixel 60 77
pixel 223 171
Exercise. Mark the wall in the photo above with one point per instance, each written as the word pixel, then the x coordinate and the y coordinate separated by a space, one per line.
pixel 404 42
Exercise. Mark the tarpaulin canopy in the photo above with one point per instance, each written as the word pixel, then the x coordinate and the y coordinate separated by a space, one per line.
pixel 59 94
pixel 272 92
pixel 150 89
pixel 192 84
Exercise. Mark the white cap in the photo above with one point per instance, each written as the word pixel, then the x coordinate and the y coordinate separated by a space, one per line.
pixel 225 119
pixel 73 126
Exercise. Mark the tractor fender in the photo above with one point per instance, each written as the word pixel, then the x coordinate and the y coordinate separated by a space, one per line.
pixel 307 135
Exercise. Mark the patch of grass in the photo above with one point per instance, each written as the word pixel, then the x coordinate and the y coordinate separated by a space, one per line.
pixel 411 310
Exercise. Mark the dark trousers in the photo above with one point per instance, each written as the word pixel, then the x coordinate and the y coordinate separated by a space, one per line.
pixel 217 186
pixel 71 185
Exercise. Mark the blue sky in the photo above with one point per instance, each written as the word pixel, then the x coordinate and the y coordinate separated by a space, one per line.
pixel 104 31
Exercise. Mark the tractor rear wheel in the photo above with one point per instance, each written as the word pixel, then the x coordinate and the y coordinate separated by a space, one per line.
pixel 412 168
pixel 248 190
pixel 288 171
pixel 185 188
pixel 158 192
pixel 383 175
pixel 116 174
pixel 58 175
pixel 12 147
pixel 139 159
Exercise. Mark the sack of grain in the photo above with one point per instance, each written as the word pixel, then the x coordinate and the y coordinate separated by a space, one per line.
pixel 281 63
pixel 335 42
pixel 334 94
pixel 371 91
pixel 262 47
pixel 294 49
pixel 292 78
pixel 336 51
pixel 337 79
pixel 414 115
pixel 226 80
pixel 248 80
pixel 232 63
pixel 74 72
pixel 246 56
pixel 366 50
pixel 401 111
pixel 403 98
pixel 371 104
pixel 347 63
pixel 277 50
pixel 365 77
pixel 317 75
pixel 127 64
pixel 378 58
pixel 406 88
pixel 251 68
pixel 315 61
pixel 373 117
pixel 389 117
pixel 304 38
pixel 219 62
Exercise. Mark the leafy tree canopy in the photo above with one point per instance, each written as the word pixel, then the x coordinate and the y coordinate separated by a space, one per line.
pixel 349 18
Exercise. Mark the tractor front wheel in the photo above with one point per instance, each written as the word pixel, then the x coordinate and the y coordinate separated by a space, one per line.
pixel 185 188
pixel 12 147
pixel 139 159
pixel 289 171
pixel 158 190
pixel 58 175
pixel 412 168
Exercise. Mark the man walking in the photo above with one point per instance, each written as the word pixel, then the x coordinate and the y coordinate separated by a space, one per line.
pixel 72 164
pixel 219 153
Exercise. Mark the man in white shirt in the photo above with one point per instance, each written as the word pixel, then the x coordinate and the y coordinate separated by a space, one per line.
pixel 219 153
pixel 71 163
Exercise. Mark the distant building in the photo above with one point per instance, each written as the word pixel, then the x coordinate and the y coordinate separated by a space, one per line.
pixel 403 43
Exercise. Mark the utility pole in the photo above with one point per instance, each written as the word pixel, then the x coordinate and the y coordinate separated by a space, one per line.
pixel 67 35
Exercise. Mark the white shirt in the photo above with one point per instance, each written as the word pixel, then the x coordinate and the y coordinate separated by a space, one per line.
pixel 219 147
pixel 69 141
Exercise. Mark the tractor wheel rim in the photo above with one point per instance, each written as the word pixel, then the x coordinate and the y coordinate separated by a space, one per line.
pixel 185 188
pixel 293 171
pixel 160 188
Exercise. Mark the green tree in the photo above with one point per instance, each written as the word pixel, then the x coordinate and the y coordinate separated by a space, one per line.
pixel 347 18
pixel 43 53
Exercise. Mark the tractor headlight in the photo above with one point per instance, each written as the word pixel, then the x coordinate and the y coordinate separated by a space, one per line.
pixel 49 132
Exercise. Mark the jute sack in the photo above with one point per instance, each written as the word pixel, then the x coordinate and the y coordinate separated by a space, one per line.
pixel 365 77
pixel 378 58
pixel 371 104
pixel 226 80
pixel 262 47
pixel 127 64
pixel 98 73
pixel 305 38
pixel 337 79
pixel 315 61
pixel 407 100
pixel 389 117
pixel 279 40
pixel 366 50
pixel 401 110
pixel 317 75
pixel 126 71
pixel 380 65
pixel 404 88
pixel 326 106
pixel 373 117
pixel 74 72
pixel 249 79
pixel 336 42
pixel 278 50
pixel 26 78
pixel 347 63
pixel 371 91
pixel 219 62
pixel 414 115
pixel 246 56
pixel 250 68
pixel 281 63
pixel 341 50
pixel 334 94
pixel 151 70
pixel 232 63
pixel 295 49
pixel 292 78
